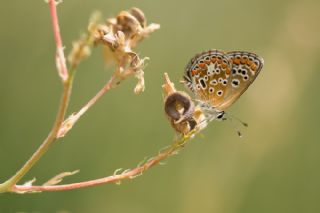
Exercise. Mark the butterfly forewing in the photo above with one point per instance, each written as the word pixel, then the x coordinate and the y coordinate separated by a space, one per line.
pixel 219 78
pixel 207 76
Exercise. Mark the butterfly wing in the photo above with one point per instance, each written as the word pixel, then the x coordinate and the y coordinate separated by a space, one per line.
pixel 207 76
pixel 245 67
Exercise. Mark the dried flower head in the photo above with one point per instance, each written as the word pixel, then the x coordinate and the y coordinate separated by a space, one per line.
pixel 139 15
pixel 119 36
pixel 81 48
pixel 180 109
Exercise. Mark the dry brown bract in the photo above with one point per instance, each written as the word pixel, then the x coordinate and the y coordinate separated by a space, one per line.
pixel 120 36
pixel 180 109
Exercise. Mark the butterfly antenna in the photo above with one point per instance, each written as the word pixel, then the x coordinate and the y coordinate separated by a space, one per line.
pixel 240 121
pixel 235 127
pixel 231 118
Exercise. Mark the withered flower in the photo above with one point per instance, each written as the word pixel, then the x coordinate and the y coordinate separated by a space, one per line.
pixel 180 108
pixel 181 111
pixel 81 48
pixel 119 36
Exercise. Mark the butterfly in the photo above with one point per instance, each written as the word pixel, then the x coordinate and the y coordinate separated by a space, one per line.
pixel 218 79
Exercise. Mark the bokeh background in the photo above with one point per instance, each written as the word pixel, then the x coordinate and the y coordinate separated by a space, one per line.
pixel 275 167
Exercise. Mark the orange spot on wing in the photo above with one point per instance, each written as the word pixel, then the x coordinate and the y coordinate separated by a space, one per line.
pixel 202 65
pixel 213 60
pixel 253 67
pixel 249 63
pixel 236 61
pixel 194 72
pixel 228 71
pixel 224 66
pixel 243 61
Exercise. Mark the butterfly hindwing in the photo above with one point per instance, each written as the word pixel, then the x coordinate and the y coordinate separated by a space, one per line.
pixel 245 67
pixel 219 79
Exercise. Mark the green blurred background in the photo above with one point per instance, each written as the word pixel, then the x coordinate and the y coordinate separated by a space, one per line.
pixel 273 168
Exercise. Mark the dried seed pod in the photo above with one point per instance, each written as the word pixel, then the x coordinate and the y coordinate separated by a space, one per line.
pixel 139 15
pixel 179 106
pixel 180 109
pixel 128 24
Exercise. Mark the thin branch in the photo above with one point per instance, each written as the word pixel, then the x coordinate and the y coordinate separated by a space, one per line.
pixel 61 61
pixel 7 186
pixel 130 174
pixel 100 93
pixel 72 119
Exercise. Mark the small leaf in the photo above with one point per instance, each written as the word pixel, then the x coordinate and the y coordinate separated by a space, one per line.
pixel 30 182
pixel 58 178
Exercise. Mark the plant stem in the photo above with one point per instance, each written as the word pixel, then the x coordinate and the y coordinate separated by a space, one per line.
pixel 61 61
pixel 113 178
pixel 67 86
pixel 46 143
pixel 95 98
pixel 68 124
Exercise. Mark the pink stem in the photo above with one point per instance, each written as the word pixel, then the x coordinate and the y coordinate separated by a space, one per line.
pixel 114 178
pixel 61 61
pixel 101 92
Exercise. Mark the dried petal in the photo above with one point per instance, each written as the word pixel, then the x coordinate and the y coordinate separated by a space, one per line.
pixel 128 24
pixel 111 40
pixel 80 50
pixel 140 87
pixel 29 182
pixel 168 86
pixel 58 178
pixel 152 27
pixel 60 64
pixel 139 15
